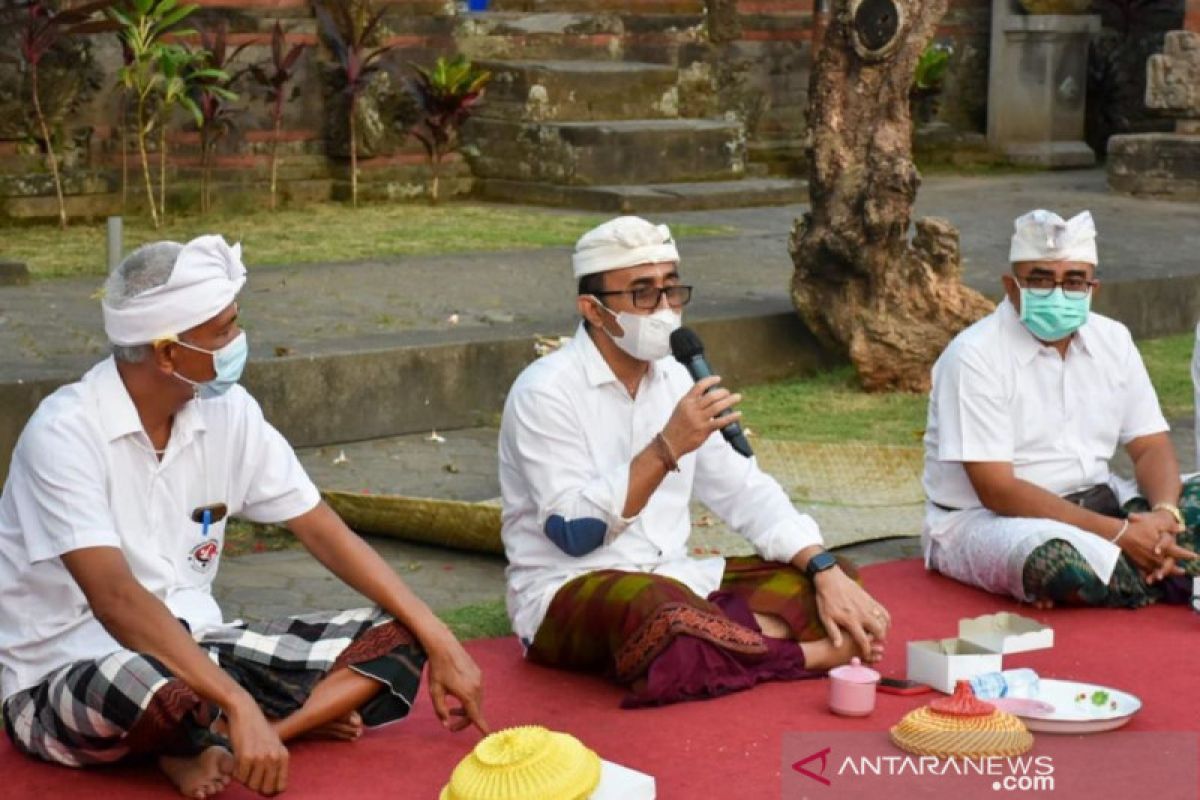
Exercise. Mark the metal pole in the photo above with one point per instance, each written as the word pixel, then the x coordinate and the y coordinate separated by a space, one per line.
pixel 115 247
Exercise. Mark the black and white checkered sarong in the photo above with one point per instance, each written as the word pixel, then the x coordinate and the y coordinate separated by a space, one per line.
pixel 127 703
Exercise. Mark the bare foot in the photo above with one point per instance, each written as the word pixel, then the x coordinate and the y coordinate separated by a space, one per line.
pixel 821 654
pixel 773 626
pixel 202 776
pixel 346 729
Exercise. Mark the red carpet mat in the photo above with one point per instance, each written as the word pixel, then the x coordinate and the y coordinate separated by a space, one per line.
pixel 725 748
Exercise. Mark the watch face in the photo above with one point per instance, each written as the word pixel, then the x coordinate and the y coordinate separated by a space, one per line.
pixel 821 562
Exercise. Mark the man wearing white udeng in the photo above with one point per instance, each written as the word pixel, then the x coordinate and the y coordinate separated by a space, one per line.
pixel 1027 408
pixel 111 527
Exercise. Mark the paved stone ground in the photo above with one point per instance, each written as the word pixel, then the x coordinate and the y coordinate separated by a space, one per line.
pixel 268 584
pixel 52 328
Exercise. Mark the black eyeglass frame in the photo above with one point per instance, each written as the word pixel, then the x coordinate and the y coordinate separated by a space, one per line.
pixel 658 292
pixel 1052 284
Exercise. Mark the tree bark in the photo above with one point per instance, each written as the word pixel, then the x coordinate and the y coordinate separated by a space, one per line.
pixel 141 137
pixel 51 157
pixel 353 160
pixel 860 284
pixel 275 152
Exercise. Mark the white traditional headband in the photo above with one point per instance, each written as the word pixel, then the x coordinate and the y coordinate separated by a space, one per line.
pixel 622 242
pixel 207 276
pixel 1044 236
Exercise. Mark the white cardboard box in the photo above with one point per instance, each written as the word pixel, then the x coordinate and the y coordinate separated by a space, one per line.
pixel 980 647
pixel 1006 632
pixel 623 783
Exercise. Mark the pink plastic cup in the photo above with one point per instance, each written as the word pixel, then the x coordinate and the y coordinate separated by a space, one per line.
pixel 852 689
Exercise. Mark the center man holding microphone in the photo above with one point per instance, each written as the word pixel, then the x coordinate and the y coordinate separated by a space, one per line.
pixel 603 444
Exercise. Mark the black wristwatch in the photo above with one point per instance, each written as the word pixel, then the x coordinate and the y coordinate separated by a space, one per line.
pixel 819 563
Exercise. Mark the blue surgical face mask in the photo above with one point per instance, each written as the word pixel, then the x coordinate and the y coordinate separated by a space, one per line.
pixel 228 363
pixel 1054 316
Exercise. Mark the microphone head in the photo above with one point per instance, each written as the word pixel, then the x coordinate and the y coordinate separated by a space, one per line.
pixel 686 345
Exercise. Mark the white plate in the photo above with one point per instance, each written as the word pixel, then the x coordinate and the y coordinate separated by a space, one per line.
pixel 1074 716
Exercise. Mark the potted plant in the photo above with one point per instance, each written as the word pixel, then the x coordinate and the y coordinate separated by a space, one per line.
pixel 927 82
pixel 446 97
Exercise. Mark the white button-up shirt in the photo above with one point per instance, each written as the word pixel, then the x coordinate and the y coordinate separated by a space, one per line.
pixel 84 474
pixel 1001 395
pixel 569 432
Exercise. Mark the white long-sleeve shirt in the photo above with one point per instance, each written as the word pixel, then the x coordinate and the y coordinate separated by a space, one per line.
pixel 569 432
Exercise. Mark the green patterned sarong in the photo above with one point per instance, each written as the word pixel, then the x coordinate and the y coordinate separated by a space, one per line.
pixel 1056 571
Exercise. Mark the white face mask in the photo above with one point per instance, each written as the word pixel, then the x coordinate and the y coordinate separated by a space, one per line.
pixel 646 338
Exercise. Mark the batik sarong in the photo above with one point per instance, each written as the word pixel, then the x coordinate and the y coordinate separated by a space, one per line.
pixel 1056 571
pixel 654 635
pixel 129 704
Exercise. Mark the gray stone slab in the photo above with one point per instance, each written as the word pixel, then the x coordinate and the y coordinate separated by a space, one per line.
pixel 653 197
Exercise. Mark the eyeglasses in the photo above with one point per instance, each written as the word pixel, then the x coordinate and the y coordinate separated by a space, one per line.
pixel 1075 287
pixel 649 297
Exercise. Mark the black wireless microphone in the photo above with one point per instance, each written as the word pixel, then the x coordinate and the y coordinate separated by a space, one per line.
pixel 689 351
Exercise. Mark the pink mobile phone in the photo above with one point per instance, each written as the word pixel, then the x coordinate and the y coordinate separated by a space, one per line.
pixel 902 686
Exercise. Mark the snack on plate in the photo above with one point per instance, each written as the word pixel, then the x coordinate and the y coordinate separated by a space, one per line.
pixel 1097 702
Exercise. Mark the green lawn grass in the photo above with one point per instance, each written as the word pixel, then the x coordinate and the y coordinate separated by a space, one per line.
pixel 831 407
pixel 316 233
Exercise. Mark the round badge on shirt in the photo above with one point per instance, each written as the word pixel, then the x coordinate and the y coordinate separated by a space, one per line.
pixel 203 556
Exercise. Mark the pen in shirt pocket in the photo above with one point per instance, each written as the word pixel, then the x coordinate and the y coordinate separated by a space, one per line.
pixel 207 516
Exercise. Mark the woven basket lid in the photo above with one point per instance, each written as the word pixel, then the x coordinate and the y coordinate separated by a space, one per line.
pixel 525 763
pixel 963 703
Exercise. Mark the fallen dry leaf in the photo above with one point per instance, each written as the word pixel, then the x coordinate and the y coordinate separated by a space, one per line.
pixel 341 458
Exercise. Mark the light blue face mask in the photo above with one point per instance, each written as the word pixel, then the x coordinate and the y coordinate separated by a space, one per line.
pixel 228 363
pixel 1054 316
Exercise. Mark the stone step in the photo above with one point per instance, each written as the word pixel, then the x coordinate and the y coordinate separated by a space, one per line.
pixel 649 198
pixel 606 153
pixel 641 7
pixel 778 156
pixel 580 90
pixel 556 35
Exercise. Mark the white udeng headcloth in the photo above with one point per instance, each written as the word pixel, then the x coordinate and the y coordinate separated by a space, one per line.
pixel 1044 236
pixel 207 276
pixel 622 242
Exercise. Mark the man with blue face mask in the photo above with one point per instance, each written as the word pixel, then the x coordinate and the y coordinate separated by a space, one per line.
pixel 111 529
pixel 1028 406
pixel 603 444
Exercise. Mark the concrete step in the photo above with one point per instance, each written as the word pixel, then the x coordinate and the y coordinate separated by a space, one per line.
pixel 606 153
pixel 647 7
pixel 778 156
pixel 649 198
pixel 556 35
pixel 580 90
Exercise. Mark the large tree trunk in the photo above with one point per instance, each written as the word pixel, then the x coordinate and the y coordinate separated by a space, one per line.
pixel 860 284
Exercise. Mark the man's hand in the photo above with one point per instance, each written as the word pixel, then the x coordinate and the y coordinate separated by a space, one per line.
pixel 260 759
pixel 453 673
pixel 843 605
pixel 1150 544
pixel 1168 521
pixel 695 416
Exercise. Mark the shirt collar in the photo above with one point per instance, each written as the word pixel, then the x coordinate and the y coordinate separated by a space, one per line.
pixel 1026 344
pixel 119 416
pixel 596 368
